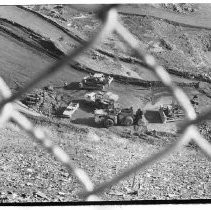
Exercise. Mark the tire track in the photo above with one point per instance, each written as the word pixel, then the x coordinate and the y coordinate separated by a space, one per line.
pixel 49 47
pixel 127 59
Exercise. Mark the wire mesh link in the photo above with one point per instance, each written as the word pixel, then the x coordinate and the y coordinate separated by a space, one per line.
pixel 8 112
pixel 40 136
pixel 110 23
pixel 107 16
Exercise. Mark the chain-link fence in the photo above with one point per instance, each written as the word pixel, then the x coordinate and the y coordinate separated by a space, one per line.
pixel 110 23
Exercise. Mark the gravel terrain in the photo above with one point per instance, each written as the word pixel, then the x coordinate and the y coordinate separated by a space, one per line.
pixel 33 37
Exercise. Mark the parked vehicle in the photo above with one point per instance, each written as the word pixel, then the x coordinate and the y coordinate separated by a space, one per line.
pixel 171 113
pixel 71 108
pixel 101 99
pixel 95 81
pixel 118 116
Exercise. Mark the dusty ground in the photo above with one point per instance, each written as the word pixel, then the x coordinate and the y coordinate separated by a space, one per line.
pixel 178 41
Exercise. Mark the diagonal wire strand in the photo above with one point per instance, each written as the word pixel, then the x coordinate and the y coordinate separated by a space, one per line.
pixel 110 23
pixel 37 133
pixel 108 26
pixel 189 132
pixel 184 140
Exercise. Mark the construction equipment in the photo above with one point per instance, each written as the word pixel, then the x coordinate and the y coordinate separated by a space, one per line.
pixel 118 116
pixel 101 99
pixel 170 113
pixel 173 112
pixel 95 81
pixel 50 104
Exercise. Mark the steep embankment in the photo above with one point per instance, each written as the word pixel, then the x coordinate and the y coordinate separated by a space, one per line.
pixel 177 46
pixel 28 174
pixel 34 41
pixel 29 49
pixel 98 60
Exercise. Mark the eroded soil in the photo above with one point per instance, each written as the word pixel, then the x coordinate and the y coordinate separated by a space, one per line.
pixel 29 45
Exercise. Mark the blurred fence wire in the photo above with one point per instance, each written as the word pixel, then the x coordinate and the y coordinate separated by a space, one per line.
pixel 111 23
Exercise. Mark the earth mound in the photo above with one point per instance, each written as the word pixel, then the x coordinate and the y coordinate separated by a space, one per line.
pixel 46 101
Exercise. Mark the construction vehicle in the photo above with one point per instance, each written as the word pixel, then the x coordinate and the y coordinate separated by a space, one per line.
pixel 95 81
pixel 173 112
pixel 118 116
pixel 101 99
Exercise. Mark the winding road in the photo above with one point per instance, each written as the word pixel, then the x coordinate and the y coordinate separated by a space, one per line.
pixel 22 56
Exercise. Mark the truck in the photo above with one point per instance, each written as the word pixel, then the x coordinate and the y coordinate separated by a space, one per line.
pixel 118 116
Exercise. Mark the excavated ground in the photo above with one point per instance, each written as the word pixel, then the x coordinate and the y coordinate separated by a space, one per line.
pixel 30 174
pixel 180 42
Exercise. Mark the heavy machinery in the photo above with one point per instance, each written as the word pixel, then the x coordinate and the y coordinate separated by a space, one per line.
pixel 173 112
pixel 170 113
pixel 101 99
pixel 95 81
pixel 118 116
pixel 48 104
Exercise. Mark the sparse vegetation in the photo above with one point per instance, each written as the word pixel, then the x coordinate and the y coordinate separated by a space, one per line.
pixel 29 174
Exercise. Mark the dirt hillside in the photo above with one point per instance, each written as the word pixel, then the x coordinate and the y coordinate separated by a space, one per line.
pixel 33 37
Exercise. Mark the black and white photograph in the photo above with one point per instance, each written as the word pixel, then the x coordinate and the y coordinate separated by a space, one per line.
pixel 105 104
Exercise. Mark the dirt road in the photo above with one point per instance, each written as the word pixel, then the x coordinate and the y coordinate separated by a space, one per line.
pixel 64 41
pixel 20 62
pixel 24 57
pixel 29 174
